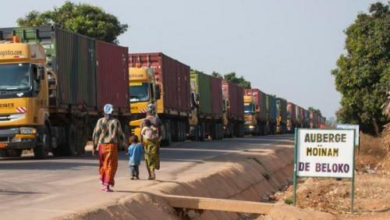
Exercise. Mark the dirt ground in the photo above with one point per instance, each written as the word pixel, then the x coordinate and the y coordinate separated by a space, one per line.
pixel 372 188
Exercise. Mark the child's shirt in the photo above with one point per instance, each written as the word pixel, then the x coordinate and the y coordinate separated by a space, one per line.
pixel 149 133
pixel 135 153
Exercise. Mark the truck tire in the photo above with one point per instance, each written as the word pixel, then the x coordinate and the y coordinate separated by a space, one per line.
pixel 201 132
pixel 168 135
pixel 70 148
pixel 182 131
pixel 41 150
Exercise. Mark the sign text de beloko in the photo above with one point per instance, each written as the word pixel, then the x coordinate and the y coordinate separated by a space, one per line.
pixel 325 153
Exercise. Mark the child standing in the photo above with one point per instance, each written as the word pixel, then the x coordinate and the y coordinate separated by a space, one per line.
pixel 135 153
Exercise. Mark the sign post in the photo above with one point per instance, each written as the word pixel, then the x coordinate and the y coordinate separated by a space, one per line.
pixel 353 127
pixel 324 153
pixel 295 167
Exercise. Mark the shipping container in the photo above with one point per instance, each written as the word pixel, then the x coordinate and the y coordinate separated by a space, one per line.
pixel 201 82
pixel 271 108
pixel 307 118
pixel 291 112
pixel 78 71
pixel 235 95
pixel 313 119
pixel 298 114
pixel 260 103
pixel 217 99
pixel 281 106
pixel 112 71
pixel 173 78
pixel 76 68
pixel 73 58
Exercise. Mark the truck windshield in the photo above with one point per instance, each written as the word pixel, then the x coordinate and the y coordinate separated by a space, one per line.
pixel 15 77
pixel 249 108
pixel 139 92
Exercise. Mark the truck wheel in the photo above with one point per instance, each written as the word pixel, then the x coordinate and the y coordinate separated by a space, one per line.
pixel 168 136
pixel 182 131
pixel 201 132
pixel 41 150
pixel 70 148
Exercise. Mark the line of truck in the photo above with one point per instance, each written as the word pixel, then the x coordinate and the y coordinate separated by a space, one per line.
pixel 54 84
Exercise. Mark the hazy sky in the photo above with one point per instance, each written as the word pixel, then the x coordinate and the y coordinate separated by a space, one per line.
pixel 283 47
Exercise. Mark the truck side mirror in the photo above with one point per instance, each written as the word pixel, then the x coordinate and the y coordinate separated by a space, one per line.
pixel 158 92
pixel 41 73
pixel 38 72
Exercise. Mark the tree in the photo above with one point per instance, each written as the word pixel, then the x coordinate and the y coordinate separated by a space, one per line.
pixel 84 19
pixel 216 74
pixel 362 75
pixel 386 106
pixel 231 77
pixel 317 111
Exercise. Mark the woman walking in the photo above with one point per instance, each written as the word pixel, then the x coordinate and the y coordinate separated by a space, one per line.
pixel 152 144
pixel 107 135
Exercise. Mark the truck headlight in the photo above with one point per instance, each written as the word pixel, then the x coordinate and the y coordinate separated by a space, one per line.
pixel 251 127
pixel 25 130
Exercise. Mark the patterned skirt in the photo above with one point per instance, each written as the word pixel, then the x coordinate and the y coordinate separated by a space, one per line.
pixel 108 158
pixel 152 157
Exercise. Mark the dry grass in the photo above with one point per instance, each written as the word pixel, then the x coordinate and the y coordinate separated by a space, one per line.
pixel 372 155
pixel 386 137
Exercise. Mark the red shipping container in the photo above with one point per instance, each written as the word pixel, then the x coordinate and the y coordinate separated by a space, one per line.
pixel 291 114
pixel 112 76
pixel 235 95
pixel 216 89
pixel 172 76
pixel 259 102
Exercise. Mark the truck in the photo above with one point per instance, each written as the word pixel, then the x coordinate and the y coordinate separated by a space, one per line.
pixel 315 119
pixel 306 114
pixel 206 107
pixel 254 111
pixel 233 106
pixel 299 116
pixel 292 119
pixel 53 89
pixel 271 114
pixel 250 121
pixel 281 115
pixel 158 79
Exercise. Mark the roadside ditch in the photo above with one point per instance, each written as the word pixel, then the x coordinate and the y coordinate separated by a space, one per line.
pixel 251 175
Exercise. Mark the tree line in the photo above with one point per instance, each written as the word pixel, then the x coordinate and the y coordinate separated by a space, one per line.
pixel 362 75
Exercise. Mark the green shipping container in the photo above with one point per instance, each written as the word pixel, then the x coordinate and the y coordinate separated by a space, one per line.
pixel 201 84
pixel 263 106
pixel 76 68
pixel 271 108
pixel 71 56
pixel 281 105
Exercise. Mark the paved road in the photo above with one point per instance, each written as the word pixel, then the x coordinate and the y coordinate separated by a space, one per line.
pixel 43 189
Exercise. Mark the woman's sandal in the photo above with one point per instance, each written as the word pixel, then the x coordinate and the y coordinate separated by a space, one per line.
pixel 108 190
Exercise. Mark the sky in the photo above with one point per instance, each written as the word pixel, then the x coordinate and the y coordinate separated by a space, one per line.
pixel 286 48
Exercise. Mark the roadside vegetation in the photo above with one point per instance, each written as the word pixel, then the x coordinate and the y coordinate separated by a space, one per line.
pixel 362 75
pixel 80 18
